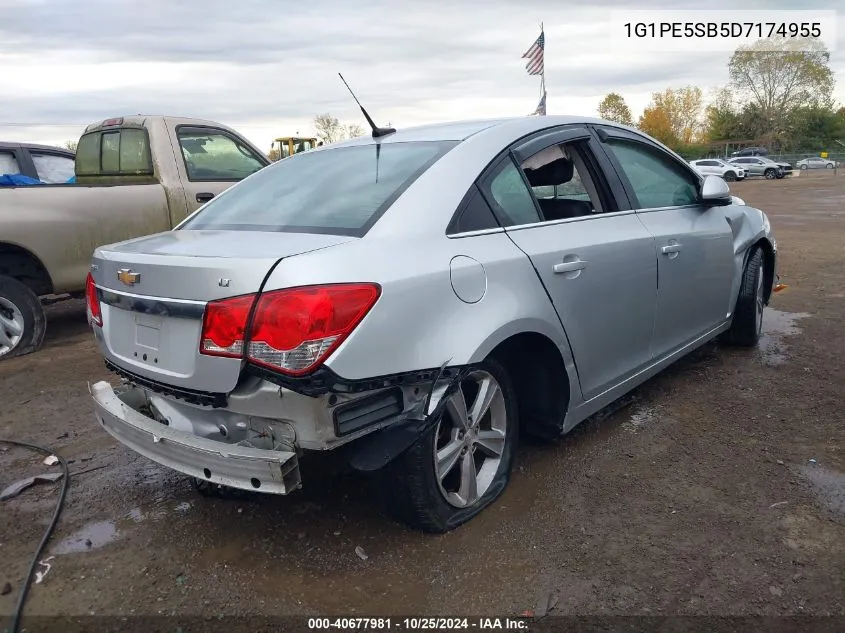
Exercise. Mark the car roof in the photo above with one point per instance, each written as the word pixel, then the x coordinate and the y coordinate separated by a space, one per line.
pixel 35 146
pixel 462 130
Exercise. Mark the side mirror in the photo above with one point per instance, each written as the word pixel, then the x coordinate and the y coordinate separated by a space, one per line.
pixel 715 191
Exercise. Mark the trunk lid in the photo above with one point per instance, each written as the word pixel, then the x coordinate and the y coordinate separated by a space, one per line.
pixel 153 292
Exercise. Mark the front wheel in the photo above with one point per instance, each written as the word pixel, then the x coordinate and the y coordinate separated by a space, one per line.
pixel 747 321
pixel 803 167
pixel 22 320
pixel 770 174
pixel 828 166
pixel 730 176
pixel 463 463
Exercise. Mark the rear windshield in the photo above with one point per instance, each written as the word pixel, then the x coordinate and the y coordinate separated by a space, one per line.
pixel 114 152
pixel 341 191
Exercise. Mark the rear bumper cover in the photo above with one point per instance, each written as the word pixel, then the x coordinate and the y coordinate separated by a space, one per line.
pixel 247 468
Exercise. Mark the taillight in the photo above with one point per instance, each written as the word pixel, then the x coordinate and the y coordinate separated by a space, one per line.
pixel 224 326
pixel 93 302
pixel 293 330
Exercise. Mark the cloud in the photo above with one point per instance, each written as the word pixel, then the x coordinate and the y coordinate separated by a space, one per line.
pixel 268 66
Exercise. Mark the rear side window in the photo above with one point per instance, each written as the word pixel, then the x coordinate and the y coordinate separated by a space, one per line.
pixel 52 168
pixel 342 190
pixel 123 152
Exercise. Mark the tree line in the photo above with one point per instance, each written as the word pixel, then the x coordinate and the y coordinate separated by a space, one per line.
pixel 779 96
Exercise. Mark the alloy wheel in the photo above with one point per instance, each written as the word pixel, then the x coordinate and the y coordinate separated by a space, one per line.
pixel 11 326
pixel 470 440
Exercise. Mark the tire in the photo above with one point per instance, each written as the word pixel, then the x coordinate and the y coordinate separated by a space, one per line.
pixel 22 320
pixel 828 166
pixel 770 174
pixel 803 167
pixel 730 176
pixel 747 321
pixel 418 496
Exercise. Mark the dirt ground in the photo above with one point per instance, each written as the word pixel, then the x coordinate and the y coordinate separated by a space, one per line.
pixel 720 490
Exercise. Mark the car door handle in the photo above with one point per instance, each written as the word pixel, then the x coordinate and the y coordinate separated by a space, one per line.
pixel 672 248
pixel 568 267
pixel 204 197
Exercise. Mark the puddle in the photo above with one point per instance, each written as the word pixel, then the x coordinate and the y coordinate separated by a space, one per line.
pixel 157 511
pixel 641 417
pixel 100 533
pixel 829 485
pixel 90 537
pixel 776 325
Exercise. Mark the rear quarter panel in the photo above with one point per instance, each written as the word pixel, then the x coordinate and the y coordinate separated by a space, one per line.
pixel 419 322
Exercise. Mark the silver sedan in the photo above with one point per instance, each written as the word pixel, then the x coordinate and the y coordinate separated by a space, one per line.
pixel 816 162
pixel 417 301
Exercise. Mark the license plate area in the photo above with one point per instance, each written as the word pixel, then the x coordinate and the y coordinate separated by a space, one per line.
pixel 160 344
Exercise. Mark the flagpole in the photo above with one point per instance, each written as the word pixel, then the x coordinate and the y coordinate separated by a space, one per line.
pixel 543 74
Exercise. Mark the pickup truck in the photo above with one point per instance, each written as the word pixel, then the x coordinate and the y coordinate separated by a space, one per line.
pixel 47 164
pixel 134 176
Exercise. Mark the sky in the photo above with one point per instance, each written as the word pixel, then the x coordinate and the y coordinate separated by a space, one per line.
pixel 268 67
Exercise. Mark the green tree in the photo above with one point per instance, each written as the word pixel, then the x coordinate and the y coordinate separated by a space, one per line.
pixel 721 118
pixel 614 108
pixel 780 77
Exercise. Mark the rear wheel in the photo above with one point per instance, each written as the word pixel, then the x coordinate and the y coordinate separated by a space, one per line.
pixel 730 176
pixel 22 320
pixel 770 174
pixel 463 463
pixel 803 167
pixel 747 321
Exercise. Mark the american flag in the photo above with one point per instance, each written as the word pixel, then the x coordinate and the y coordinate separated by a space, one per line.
pixel 534 55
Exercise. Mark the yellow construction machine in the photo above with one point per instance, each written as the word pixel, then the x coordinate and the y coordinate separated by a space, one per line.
pixel 290 145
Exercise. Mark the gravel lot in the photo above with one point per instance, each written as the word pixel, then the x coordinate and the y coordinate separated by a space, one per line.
pixel 719 490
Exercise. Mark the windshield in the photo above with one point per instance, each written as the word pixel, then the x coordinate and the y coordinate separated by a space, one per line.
pixel 341 191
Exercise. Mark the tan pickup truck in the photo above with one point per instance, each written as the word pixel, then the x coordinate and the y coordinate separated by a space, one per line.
pixel 134 176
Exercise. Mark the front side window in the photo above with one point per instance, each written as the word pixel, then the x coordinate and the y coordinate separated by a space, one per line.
pixel 657 179
pixel 340 191
pixel 212 155
pixel 52 168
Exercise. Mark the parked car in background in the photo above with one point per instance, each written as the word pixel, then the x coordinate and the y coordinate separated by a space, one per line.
pixel 42 163
pixel 134 176
pixel 816 162
pixel 751 151
pixel 762 166
pixel 718 167
pixel 418 299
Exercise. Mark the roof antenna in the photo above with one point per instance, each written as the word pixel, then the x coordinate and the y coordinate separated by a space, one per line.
pixel 377 131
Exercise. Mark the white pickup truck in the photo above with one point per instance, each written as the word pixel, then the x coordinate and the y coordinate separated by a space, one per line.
pixel 135 176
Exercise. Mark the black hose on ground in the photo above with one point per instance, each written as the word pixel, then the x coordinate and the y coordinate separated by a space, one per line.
pixel 16 621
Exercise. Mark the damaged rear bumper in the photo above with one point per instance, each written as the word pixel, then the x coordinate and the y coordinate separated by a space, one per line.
pixel 248 468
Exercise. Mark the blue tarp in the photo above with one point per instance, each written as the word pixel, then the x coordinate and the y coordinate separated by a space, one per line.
pixel 16 180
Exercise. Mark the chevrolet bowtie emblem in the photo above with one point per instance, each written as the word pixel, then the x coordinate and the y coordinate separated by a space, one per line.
pixel 126 276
